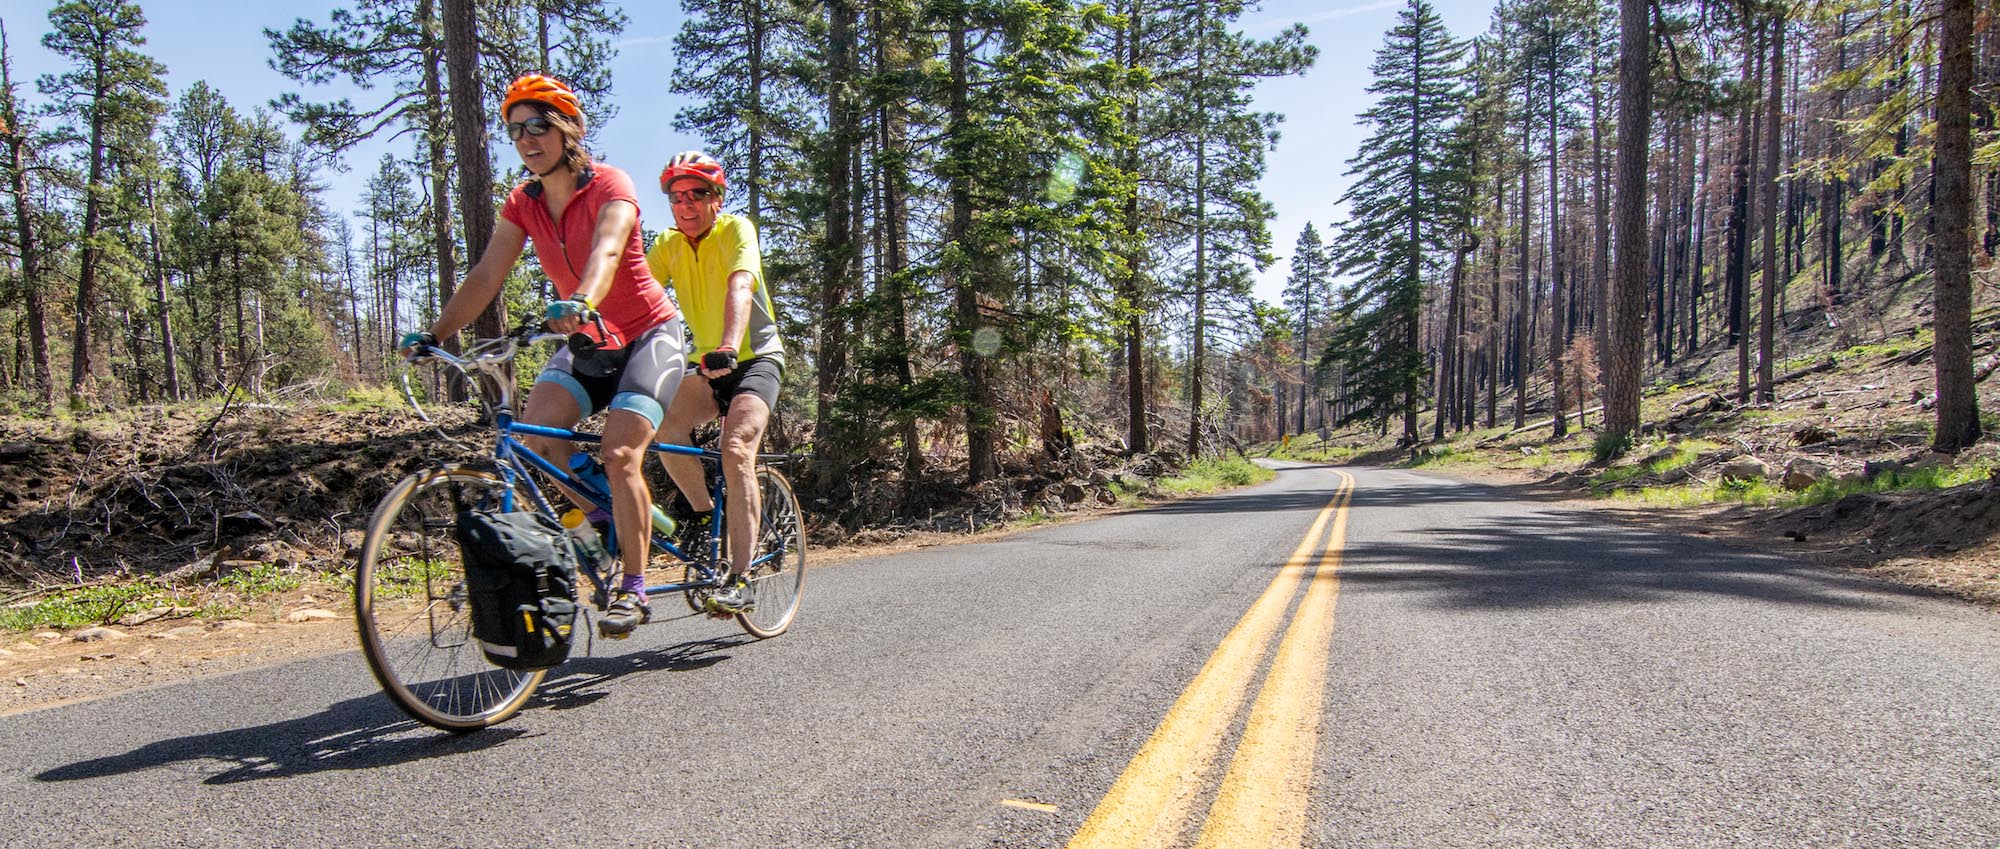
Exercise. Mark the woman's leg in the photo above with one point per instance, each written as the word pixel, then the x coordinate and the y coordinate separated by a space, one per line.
pixel 626 434
pixel 645 390
pixel 551 405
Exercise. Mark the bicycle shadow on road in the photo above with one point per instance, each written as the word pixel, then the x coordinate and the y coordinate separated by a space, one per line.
pixel 360 733
pixel 578 682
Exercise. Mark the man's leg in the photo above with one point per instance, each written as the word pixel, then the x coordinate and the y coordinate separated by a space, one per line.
pixel 693 405
pixel 742 434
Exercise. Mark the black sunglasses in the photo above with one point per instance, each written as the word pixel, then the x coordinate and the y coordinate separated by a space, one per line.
pixel 533 126
pixel 690 194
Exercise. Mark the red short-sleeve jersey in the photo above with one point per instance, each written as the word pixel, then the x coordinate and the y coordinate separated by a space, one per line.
pixel 636 302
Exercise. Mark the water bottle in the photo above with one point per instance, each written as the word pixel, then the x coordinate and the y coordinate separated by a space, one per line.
pixel 587 468
pixel 586 538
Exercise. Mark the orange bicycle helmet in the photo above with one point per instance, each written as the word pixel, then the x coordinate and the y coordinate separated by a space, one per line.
pixel 696 164
pixel 542 89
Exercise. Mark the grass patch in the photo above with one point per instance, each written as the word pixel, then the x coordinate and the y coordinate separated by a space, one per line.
pixel 1770 494
pixel 261 580
pixel 360 398
pixel 1685 452
pixel 408 576
pixel 1214 474
pixel 97 604
pixel 1313 451
pixel 1833 489
pixel 1032 518
pixel 75 608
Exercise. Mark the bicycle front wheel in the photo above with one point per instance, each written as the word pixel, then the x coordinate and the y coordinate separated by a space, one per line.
pixel 780 570
pixel 412 610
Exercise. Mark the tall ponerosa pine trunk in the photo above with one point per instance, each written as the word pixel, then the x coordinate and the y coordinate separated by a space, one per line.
pixel 1768 208
pixel 162 300
pixel 892 126
pixel 436 137
pixel 31 269
pixel 469 132
pixel 1628 303
pixel 1138 439
pixel 980 431
pixel 836 253
pixel 1558 335
pixel 86 275
pixel 1958 402
pixel 1198 350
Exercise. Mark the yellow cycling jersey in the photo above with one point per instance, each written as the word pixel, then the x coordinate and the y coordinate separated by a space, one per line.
pixel 699 275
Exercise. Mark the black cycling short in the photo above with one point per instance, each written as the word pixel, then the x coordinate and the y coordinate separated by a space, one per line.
pixel 760 377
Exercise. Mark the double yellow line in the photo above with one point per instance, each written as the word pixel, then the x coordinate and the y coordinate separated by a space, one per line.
pixel 1262 800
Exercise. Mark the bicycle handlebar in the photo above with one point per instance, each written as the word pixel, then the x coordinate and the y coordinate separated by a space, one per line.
pixel 484 358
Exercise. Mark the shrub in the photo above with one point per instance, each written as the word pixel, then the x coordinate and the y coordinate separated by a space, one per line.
pixel 1610 446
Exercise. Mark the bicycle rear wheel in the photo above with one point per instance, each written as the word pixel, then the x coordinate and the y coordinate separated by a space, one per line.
pixel 412 611
pixel 775 583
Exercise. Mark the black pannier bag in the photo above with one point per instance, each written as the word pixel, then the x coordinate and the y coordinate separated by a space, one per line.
pixel 520 571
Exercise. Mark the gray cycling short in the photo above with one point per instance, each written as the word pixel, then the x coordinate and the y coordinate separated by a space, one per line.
pixel 645 385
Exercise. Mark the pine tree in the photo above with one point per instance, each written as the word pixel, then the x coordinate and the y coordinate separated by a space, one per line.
pixel 1213 162
pixel 1012 110
pixel 731 60
pixel 1551 43
pixel 18 136
pixel 1401 216
pixel 113 92
pixel 1957 396
pixel 1308 289
pixel 1628 282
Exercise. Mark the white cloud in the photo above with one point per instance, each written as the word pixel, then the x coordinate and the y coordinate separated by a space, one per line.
pixel 641 41
pixel 1274 23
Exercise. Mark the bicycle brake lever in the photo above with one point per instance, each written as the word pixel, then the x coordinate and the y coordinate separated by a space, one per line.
pixel 604 331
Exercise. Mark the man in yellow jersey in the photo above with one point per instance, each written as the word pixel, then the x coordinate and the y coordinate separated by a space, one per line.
pixel 711 260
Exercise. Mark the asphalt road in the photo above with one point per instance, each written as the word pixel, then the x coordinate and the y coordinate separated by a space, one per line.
pixel 1341 658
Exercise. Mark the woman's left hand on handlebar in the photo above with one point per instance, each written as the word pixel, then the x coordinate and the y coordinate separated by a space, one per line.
pixel 415 341
pixel 566 316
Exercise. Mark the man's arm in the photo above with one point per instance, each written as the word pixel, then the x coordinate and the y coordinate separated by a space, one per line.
pixel 735 317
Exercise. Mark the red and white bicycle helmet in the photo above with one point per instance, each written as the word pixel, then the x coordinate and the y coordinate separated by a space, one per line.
pixel 694 163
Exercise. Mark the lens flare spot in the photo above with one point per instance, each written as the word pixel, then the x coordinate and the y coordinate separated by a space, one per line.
pixel 986 341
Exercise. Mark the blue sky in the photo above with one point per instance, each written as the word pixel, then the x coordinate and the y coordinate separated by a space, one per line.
pixel 223 43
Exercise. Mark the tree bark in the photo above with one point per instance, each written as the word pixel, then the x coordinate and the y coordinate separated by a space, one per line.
pixel 893 127
pixel 161 301
pixel 1773 142
pixel 93 218
pixel 469 131
pixel 1628 304
pixel 1523 308
pixel 1600 203
pixel 1137 441
pixel 837 252
pixel 1558 325
pixel 31 258
pixel 980 430
pixel 1958 402
pixel 1830 211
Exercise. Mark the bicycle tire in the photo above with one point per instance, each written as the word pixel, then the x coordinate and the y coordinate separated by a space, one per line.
pixel 411 611
pixel 775 584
